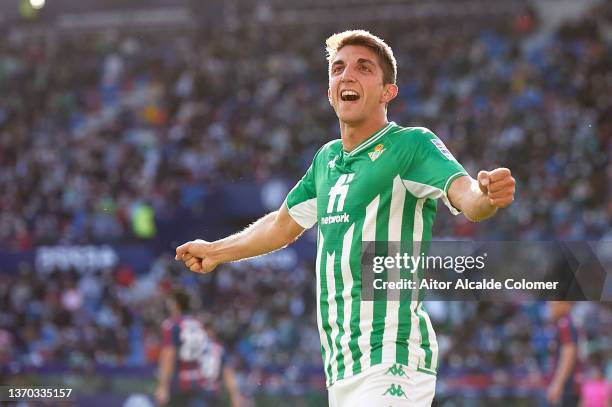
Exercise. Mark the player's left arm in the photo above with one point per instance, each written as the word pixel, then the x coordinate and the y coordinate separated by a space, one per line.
pixel 229 378
pixel 480 198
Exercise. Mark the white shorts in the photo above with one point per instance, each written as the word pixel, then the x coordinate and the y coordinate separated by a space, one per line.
pixel 384 385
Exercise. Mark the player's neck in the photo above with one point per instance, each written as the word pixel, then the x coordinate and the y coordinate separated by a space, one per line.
pixel 353 135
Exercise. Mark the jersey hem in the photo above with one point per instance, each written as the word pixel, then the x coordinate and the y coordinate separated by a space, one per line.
pixel 363 370
pixel 426 371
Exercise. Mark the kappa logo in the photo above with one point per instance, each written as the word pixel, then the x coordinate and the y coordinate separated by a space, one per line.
pixel 396 370
pixel 396 391
pixel 378 150
pixel 332 162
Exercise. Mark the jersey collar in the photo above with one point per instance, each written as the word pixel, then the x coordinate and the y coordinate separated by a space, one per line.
pixel 370 140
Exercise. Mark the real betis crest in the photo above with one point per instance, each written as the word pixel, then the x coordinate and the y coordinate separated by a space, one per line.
pixel 378 150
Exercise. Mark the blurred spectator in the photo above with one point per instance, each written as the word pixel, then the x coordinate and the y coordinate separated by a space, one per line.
pixel 102 133
pixel 596 390
pixel 265 317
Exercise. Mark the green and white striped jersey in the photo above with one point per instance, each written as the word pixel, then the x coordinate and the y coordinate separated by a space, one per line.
pixel 384 190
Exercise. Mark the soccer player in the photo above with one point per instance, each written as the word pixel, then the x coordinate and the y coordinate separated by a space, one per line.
pixel 191 364
pixel 378 182
pixel 563 388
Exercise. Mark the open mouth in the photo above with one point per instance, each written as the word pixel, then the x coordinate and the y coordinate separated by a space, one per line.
pixel 349 95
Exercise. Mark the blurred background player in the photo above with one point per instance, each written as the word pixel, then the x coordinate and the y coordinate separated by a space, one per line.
pixel 563 388
pixel 191 363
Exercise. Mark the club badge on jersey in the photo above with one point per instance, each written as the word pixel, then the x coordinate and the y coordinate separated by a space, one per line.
pixel 378 150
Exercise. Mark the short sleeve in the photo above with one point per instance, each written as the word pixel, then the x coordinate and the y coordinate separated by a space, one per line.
pixel 301 201
pixel 430 168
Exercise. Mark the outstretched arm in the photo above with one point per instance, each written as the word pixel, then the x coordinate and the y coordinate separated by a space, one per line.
pixel 479 199
pixel 272 232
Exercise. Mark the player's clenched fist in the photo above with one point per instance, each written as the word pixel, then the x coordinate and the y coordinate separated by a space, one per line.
pixel 196 256
pixel 498 185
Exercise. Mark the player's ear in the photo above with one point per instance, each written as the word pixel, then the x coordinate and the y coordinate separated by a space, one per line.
pixel 389 93
pixel 329 96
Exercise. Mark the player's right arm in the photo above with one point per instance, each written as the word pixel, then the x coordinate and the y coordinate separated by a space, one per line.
pixel 272 232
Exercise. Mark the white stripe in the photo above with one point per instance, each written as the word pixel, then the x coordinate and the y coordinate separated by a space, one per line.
pixel 318 272
pixel 420 190
pixel 372 139
pixel 414 345
pixel 398 195
pixel 369 224
pixel 333 312
pixel 304 213
pixel 366 311
pixel 347 279
pixel 417 237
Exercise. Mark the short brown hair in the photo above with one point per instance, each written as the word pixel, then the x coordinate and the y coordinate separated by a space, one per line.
pixel 366 39
pixel 182 300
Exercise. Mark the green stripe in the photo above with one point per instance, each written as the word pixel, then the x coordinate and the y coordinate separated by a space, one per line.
pixel 380 297
pixel 403 332
pixel 424 338
pixel 355 263
pixel 318 276
pixel 378 329
pixel 340 320
pixel 404 316
pixel 405 313
pixel 428 217
pixel 325 308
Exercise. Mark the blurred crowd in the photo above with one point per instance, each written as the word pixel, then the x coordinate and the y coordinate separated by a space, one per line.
pixel 264 315
pixel 511 341
pixel 102 133
pixel 68 319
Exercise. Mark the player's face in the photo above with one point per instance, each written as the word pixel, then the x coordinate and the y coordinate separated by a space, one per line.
pixel 356 88
pixel 172 307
